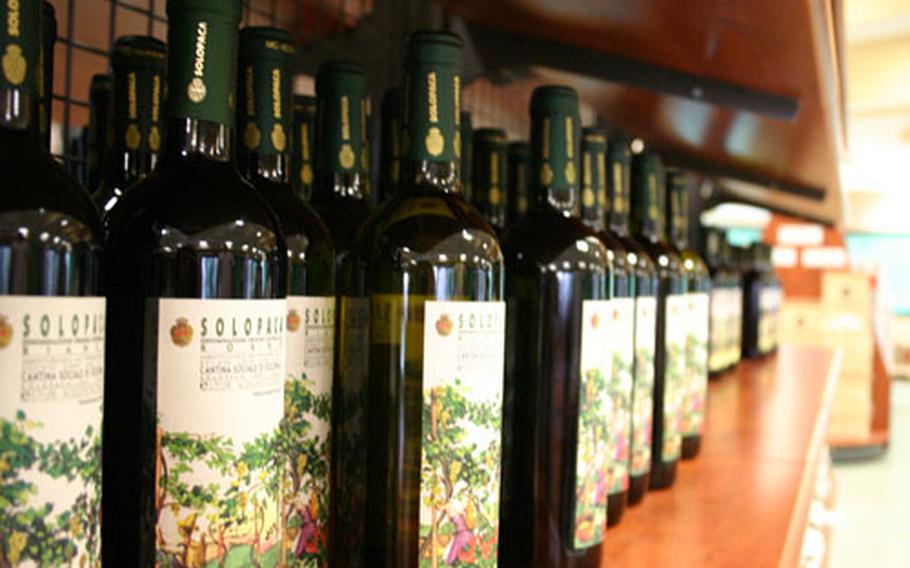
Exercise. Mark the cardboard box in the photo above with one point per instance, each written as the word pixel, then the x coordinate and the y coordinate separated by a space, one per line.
pixel 852 334
pixel 799 322
pixel 847 292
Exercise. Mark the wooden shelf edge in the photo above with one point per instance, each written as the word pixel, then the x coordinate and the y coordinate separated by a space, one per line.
pixel 800 517
pixel 875 438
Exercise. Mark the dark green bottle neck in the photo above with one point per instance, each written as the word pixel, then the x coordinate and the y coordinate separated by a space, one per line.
pixel 648 208
pixel 678 219
pixel 424 176
pixel 16 108
pixel 189 138
pixel 390 156
pixel 124 167
pixel 334 184
pixel 517 201
pixel 270 167
pixel 618 184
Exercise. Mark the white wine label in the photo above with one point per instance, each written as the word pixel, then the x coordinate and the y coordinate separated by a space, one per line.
pixel 463 369
pixel 592 455
pixel 768 302
pixel 51 391
pixel 220 379
pixel 718 345
pixel 621 346
pixel 695 390
pixel 674 375
pixel 736 345
pixel 643 394
pixel 305 430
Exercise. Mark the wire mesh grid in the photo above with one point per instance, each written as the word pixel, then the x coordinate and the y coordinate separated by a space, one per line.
pixel 371 31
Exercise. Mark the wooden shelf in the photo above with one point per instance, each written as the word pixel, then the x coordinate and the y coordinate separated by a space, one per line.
pixel 745 499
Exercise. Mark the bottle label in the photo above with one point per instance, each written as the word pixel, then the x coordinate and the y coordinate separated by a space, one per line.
pixel 305 431
pixel 719 343
pixel 674 377
pixel 736 325
pixel 590 490
pixel 19 45
pixel 349 411
pixel 463 367
pixel 52 364
pixel 695 390
pixel 202 65
pixel 220 374
pixel 643 396
pixel 768 302
pixel 621 348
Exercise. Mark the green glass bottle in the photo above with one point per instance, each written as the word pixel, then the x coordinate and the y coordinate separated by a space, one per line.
pixel 643 288
pixel 698 289
pixel 465 155
pixel 44 75
pixel 519 158
pixel 137 122
pixel 303 144
pixel 558 367
pixel 264 111
pixel 647 224
pixel 100 129
pixel 621 344
pixel 196 371
pixel 724 284
pixel 390 146
pixel 431 269
pixel 489 170
pixel 340 195
pixel 52 332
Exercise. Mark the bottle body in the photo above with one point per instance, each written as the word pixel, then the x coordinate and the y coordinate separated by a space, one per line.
pixel 556 387
pixel 51 328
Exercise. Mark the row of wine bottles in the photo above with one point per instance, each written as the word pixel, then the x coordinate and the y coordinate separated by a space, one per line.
pixel 263 380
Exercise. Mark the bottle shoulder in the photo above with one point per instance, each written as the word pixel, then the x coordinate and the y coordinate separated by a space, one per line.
pixel 299 220
pixel 428 228
pixel 547 240
pixel 38 195
pixel 197 204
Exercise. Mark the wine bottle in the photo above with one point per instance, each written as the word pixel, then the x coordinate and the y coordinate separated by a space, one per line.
pixel 720 334
pixel 390 148
pixel 740 263
pixel 698 287
pixel 643 288
pixel 100 99
pixel 138 71
pixel 519 157
pixel 197 325
pixel 431 269
pixel 752 308
pixel 558 367
pixel 647 222
pixel 303 144
pixel 264 112
pixel 465 145
pixel 489 171
pixel 340 193
pixel 44 75
pixel 620 344
pixel 51 329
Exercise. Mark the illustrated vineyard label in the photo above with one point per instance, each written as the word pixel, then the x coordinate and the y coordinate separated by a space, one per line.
pixel 592 455
pixel 674 378
pixel 51 391
pixel 621 346
pixel 220 375
pixel 463 367
pixel 695 390
pixel 305 430
pixel 643 393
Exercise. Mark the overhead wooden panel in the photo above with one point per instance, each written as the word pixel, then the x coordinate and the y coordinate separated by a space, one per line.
pixel 746 90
